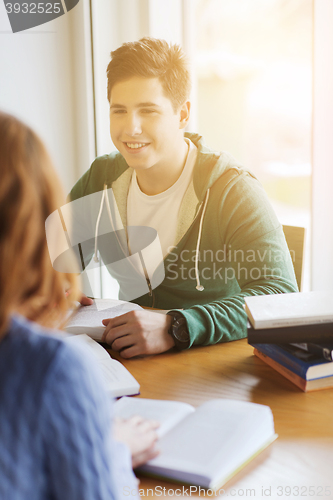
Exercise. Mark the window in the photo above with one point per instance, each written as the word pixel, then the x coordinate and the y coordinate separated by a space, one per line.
pixel 253 74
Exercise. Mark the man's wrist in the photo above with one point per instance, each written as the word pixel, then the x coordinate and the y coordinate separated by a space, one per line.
pixel 179 330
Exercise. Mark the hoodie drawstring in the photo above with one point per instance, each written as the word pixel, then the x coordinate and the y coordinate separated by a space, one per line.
pixel 124 250
pixel 200 287
pixel 106 198
pixel 96 259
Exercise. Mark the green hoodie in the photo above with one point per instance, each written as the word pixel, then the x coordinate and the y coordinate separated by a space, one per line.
pixel 229 243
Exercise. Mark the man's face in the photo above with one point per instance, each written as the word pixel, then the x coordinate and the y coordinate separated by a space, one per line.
pixel 143 124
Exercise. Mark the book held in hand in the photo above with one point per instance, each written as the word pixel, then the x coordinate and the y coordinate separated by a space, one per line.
pixel 290 309
pixel 88 319
pixel 204 446
pixel 118 380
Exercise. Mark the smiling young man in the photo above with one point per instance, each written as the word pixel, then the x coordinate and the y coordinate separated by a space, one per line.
pixel 219 237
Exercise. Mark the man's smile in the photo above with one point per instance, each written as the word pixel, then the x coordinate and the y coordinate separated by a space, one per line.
pixel 136 146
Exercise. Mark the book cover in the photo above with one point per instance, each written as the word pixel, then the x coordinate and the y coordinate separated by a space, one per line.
pixel 289 309
pixel 307 365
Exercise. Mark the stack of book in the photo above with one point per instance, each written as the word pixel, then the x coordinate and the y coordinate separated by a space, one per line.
pixel 293 333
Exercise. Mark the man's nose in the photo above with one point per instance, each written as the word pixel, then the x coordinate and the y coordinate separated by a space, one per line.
pixel 133 124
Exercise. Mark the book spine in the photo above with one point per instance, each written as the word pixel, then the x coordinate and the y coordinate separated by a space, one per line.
pixel 288 374
pixel 321 332
pixel 284 358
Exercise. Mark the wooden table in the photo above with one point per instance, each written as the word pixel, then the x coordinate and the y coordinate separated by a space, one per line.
pixel 299 464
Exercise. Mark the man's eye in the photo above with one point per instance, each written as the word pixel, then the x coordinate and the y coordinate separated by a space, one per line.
pixel 145 111
pixel 118 111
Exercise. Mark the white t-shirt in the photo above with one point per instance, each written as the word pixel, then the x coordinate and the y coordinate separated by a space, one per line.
pixel 159 211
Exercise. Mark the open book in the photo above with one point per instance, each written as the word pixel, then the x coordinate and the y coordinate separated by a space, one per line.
pixel 88 319
pixel 204 446
pixel 118 380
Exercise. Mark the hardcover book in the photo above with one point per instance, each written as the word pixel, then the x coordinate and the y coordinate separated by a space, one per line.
pixel 301 383
pixel 204 446
pixel 322 332
pixel 290 309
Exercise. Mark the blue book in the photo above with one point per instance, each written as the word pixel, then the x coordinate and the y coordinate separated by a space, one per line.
pixel 309 366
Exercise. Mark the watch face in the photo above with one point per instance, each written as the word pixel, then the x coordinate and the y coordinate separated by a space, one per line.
pixel 182 334
pixel 180 330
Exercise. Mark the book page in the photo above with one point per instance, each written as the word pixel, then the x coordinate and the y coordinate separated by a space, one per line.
pixel 94 348
pixel 88 319
pixel 168 413
pixel 118 380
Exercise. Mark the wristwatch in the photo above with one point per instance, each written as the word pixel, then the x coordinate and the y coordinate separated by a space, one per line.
pixel 179 331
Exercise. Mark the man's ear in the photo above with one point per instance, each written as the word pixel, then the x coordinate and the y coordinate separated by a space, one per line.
pixel 184 114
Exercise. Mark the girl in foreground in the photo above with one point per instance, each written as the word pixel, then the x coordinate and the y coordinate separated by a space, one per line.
pixel 55 430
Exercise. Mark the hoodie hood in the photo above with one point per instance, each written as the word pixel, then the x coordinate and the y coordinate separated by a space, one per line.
pixel 210 165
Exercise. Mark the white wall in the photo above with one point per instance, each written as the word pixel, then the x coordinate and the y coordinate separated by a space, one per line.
pixel 38 85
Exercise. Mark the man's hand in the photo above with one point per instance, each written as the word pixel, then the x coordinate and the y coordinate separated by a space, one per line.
pixel 139 435
pixel 138 333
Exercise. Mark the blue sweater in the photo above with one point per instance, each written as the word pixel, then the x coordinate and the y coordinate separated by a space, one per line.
pixel 55 422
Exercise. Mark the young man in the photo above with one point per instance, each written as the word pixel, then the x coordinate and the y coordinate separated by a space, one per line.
pixel 220 239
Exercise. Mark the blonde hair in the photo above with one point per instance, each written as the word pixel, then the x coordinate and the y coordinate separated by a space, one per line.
pixel 29 192
pixel 152 58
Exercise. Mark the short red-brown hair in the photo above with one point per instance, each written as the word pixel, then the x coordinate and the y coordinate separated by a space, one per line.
pixel 152 58
pixel 29 192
